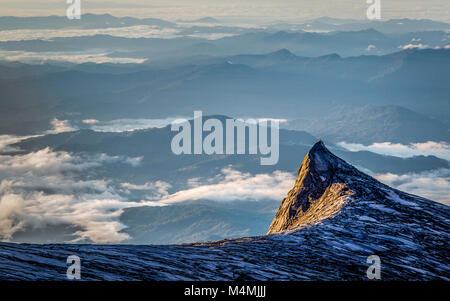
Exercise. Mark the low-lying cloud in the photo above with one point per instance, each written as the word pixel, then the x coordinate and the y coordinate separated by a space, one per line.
pixel 6 142
pixel 438 149
pixel 130 124
pixel 71 57
pixel 414 46
pixel 126 124
pixel 152 191
pixel 433 185
pixel 60 126
pixel 138 31
pixel 47 188
pixel 130 32
pixel 233 185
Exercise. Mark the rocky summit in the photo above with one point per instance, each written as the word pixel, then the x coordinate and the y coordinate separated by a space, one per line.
pixel 332 220
pixel 321 190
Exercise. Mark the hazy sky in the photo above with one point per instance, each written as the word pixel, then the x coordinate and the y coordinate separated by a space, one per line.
pixel 256 10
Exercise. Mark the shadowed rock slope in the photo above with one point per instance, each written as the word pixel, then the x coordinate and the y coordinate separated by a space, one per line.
pixel 333 219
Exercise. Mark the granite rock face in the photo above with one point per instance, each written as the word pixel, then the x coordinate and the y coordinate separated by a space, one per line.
pixel 320 192
pixel 332 220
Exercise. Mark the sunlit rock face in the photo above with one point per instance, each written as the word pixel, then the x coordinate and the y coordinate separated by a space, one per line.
pixel 321 190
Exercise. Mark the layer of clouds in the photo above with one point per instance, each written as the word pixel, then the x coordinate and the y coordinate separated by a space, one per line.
pixel 60 126
pixel 211 36
pixel 90 121
pixel 421 46
pixel 47 188
pixel 151 191
pixel 433 185
pixel 72 57
pixel 250 9
pixel 124 125
pixel 371 47
pixel 6 142
pixel 414 46
pixel 438 149
pixel 232 185
pixel 129 124
pixel 188 24
pixel 139 31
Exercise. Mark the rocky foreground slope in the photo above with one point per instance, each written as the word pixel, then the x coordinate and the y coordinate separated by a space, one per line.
pixel 327 226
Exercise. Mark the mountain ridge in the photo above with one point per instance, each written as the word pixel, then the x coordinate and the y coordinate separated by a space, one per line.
pixel 408 233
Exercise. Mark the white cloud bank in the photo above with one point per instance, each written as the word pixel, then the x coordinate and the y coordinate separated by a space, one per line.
pixel 433 185
pixel 44 189
pixel 129 124
pixel 138 31
pixel 273 11
pixel 6 142
pixel 60 126
pixel 47 188
pixel 71 57
pixel 126 124
pixel 438 149
pixel 414 46
pixel 57 126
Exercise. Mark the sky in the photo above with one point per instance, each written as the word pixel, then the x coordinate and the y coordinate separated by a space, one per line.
pixel 249 10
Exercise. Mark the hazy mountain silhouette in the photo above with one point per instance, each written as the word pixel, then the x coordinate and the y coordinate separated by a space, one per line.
pixel 154 145
pixel 88 21
pixel 388 26
pixel 372 124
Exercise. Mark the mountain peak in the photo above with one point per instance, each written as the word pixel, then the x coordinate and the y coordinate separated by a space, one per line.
pixel 319 147
pixel 282 53
pixel 320 191
pixel 328 187
pixel 320 160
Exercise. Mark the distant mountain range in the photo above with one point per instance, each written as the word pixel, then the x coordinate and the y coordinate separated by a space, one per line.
pixel 319 24
pixel 388 26
pixel 278 84
pixel 353 81
pixel 374 124
pixel 333 219
pixel 241 41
